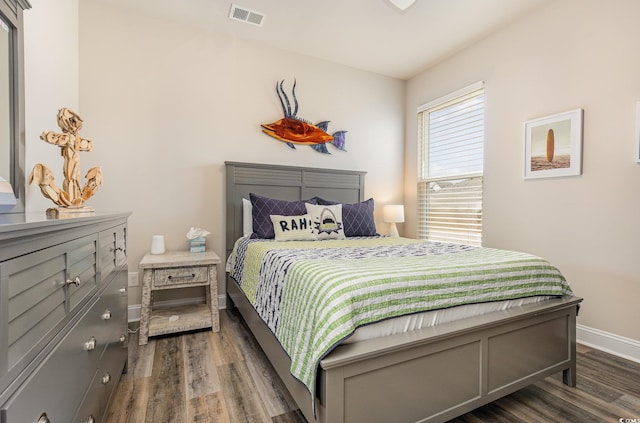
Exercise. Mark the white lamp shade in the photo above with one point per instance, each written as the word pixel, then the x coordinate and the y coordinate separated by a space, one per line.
pixel 393 213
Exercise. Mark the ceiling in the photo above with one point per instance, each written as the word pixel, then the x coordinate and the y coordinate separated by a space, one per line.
pixel 371 35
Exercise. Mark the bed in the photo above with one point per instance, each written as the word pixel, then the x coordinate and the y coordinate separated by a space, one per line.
pixel 430 374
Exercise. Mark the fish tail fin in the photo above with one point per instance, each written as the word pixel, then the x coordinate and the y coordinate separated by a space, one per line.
pixel 339 140
pixel 320 148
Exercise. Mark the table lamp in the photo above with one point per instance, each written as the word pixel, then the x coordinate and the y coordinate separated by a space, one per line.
pixel 393 214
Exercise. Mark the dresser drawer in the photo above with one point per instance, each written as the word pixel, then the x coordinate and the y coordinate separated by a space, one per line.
pixel 112 343
pixel 59 384
pixel 103 386
pixel 40 291
pixel 81 262
pixel 113 251
pixel 112 307
pixel 110 317
pixel 180 276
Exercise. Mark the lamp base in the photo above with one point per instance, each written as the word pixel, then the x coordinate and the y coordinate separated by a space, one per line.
pixel 393 231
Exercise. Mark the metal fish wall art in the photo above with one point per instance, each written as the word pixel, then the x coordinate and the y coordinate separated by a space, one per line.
pixel 294 130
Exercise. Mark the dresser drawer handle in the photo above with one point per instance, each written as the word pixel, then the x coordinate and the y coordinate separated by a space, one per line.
pixel 106 315
pixel 122 290
pixel 106 378
pixel 191 276
pixel 43 419
pixel 90 344
pixel 75 281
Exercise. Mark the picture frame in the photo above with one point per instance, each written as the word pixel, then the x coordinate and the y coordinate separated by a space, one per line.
pixel 553 145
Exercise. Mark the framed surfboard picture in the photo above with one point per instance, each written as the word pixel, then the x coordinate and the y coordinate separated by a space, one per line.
pixel 553 145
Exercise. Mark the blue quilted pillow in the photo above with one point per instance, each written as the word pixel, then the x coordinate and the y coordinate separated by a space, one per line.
pixel 357 218
pixel 264 207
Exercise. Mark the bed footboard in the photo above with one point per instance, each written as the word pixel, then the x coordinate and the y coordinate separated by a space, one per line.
pixel 432 374
pixel 436 374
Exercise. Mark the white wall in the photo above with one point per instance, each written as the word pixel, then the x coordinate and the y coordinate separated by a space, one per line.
pixel 571 54
pixel 51 83
pixel 166 104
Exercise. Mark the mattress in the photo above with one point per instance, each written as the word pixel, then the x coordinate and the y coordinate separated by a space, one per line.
pixel 407 323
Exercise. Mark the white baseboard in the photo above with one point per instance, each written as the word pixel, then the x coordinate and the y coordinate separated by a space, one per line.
pixel 222 301
pixel 609 342
pixel 133 312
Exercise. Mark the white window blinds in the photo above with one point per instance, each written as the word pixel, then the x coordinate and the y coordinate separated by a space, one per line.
pixel 451 156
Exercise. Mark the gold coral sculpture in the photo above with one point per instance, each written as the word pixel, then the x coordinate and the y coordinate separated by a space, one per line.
pixel 71 197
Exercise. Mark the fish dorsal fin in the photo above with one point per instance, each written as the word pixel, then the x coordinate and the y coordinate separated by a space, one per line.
pixel 324 125
pixel 295 100
pixel 287 110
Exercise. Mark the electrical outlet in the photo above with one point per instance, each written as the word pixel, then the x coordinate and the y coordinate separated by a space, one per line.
pixel 133 279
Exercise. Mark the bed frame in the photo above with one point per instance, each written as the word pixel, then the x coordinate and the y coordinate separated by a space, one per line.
pixel 428 375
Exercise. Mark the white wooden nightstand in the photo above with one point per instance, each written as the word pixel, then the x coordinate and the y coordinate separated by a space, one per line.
pixel 177 270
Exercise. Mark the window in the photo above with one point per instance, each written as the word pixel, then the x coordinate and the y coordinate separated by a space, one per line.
pixel 450 164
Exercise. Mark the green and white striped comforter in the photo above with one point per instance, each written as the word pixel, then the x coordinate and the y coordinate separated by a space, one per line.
pixel 313 295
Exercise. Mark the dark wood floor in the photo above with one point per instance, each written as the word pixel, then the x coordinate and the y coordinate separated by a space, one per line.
pixel 204 376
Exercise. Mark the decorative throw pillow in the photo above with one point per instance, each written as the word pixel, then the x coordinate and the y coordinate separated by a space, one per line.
pixel 327 221
pixel 263 207
pixel 293 228
pixel 357 218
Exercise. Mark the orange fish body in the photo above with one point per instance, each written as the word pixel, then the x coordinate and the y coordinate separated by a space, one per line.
pixel 293 130
pixel 296 131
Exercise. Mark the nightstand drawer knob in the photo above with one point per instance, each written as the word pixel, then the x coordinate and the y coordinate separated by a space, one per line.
pixel 43 419
pixel 91 419
pixel 106 315
pixel 122 290
pixel 123 338
pixel 90 344
pixel 75 281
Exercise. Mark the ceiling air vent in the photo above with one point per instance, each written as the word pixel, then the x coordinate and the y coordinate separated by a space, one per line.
pixel 243 14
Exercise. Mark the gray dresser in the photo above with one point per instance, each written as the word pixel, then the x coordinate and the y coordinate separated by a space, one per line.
pixel 63 316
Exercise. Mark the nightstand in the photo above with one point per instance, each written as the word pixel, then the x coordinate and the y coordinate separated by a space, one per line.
pixel 177 270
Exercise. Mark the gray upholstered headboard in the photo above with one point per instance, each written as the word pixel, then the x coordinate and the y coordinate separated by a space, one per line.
pixel 286 183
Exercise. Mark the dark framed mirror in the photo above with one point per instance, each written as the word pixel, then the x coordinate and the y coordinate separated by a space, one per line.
pixel 12 177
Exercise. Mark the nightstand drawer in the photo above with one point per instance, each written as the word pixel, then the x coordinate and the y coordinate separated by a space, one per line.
pixel 180 275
